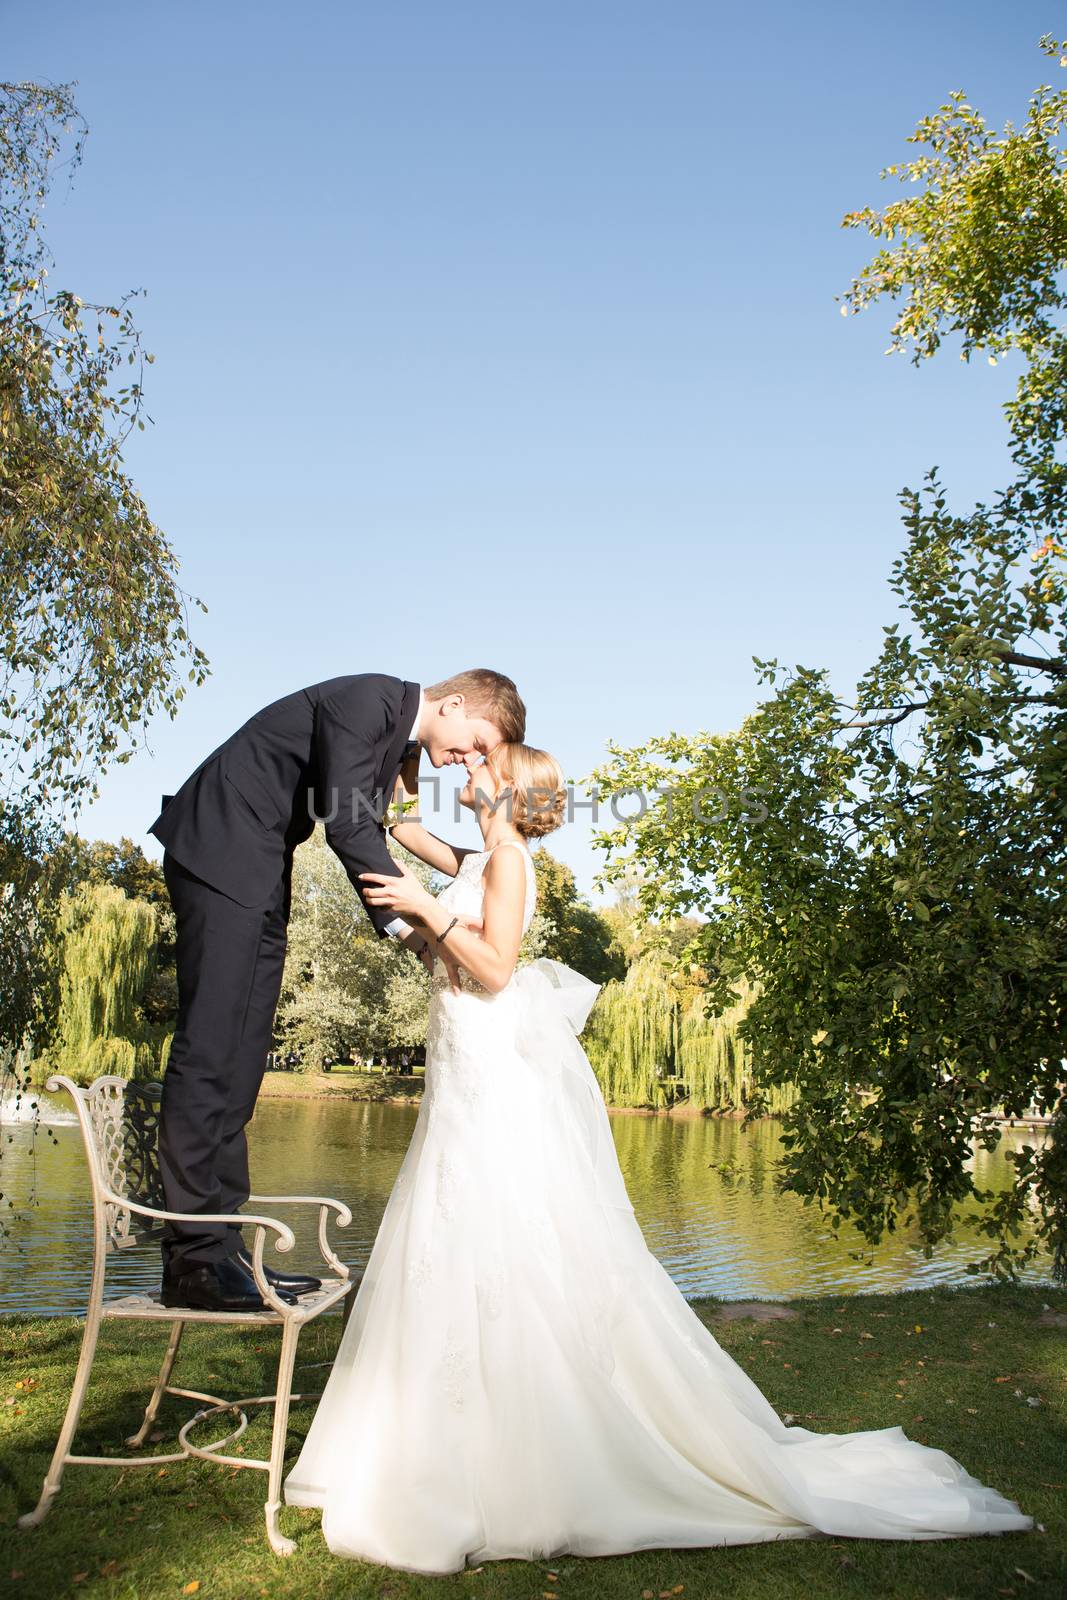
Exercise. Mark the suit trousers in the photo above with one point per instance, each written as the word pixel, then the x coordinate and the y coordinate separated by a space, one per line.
pixel 229 959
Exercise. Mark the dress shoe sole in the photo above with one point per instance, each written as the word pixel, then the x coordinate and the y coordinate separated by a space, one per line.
pixel 174 1300
pixel 174 1297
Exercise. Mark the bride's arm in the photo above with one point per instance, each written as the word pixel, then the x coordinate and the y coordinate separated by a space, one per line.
pixel 428 847
pixel 490 956
pixel 436 853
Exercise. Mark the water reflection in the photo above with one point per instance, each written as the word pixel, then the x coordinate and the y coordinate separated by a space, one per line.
pixel 714 1235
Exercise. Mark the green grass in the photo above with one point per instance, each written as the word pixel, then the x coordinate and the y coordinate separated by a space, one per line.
pixel 343 1083
pixel 153 1532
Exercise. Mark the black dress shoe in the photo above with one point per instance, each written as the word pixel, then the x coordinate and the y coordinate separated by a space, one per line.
pixel 291 1282
pixel 219 1286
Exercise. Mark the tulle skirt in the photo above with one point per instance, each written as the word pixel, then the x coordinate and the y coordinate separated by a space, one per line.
pixel 520 1378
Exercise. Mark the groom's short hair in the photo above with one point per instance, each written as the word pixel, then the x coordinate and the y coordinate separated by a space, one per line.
pixel 488 694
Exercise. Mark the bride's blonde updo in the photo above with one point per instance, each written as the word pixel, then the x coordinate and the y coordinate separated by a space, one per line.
pixel 538 799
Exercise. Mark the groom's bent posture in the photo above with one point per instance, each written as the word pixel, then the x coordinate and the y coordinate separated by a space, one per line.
pixel 331 753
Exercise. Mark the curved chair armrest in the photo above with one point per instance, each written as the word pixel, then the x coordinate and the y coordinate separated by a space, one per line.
pixel 284 1241
pixel 343 1217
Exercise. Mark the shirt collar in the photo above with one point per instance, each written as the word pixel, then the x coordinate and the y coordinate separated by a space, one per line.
pixel 418 713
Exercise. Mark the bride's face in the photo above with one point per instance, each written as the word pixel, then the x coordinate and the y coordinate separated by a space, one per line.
pixel 483 784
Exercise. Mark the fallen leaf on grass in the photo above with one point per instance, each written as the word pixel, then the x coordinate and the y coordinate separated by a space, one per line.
pixel 191 1588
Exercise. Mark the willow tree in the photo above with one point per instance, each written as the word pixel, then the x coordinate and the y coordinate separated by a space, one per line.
pixel 715 1062
pixel 653 1042
pixel 106 949
pixel 632 1037
pixel 93 624
pixel 902 904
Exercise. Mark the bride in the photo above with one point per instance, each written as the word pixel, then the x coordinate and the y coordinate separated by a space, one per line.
pixel 520 1377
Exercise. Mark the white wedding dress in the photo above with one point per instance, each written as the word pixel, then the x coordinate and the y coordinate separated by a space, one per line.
pixel 521 1378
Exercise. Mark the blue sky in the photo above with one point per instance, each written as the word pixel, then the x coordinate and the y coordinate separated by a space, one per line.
pixel 505 334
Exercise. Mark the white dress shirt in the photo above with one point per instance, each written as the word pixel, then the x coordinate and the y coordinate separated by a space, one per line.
pixel 398 927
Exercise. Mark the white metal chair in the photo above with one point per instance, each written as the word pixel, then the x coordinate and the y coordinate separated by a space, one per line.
pixel 119 1121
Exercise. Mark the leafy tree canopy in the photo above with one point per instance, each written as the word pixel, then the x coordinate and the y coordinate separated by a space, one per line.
pixel 93 635
pixel 890 873
pixel 93 623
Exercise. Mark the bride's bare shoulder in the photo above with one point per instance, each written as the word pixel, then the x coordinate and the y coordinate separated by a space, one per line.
pixel 506 866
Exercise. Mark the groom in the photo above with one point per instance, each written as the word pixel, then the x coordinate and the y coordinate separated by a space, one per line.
pixel 331 753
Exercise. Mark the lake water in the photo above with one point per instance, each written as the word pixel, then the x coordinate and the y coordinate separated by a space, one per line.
pixel 715 1236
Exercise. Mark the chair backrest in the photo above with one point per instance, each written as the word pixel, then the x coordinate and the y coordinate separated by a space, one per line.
pixel 119 1121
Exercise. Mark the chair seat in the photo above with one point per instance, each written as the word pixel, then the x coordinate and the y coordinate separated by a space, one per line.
pixel 150 1307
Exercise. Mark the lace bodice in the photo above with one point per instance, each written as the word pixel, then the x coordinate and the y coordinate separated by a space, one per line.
pixel 464 896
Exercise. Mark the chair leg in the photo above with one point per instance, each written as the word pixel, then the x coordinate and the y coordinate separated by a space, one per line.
pixel 54 1475
pixel 152 1409
pixel 278 1542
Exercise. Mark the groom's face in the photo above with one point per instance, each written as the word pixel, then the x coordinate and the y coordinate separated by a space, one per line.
pixel 456 734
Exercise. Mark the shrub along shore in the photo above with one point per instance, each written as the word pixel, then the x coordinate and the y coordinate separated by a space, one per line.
pixel 405 1088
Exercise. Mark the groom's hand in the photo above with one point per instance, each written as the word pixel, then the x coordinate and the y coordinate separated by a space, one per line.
pixel 419 946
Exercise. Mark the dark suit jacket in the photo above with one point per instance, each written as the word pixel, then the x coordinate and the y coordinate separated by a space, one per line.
pixel 333 749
